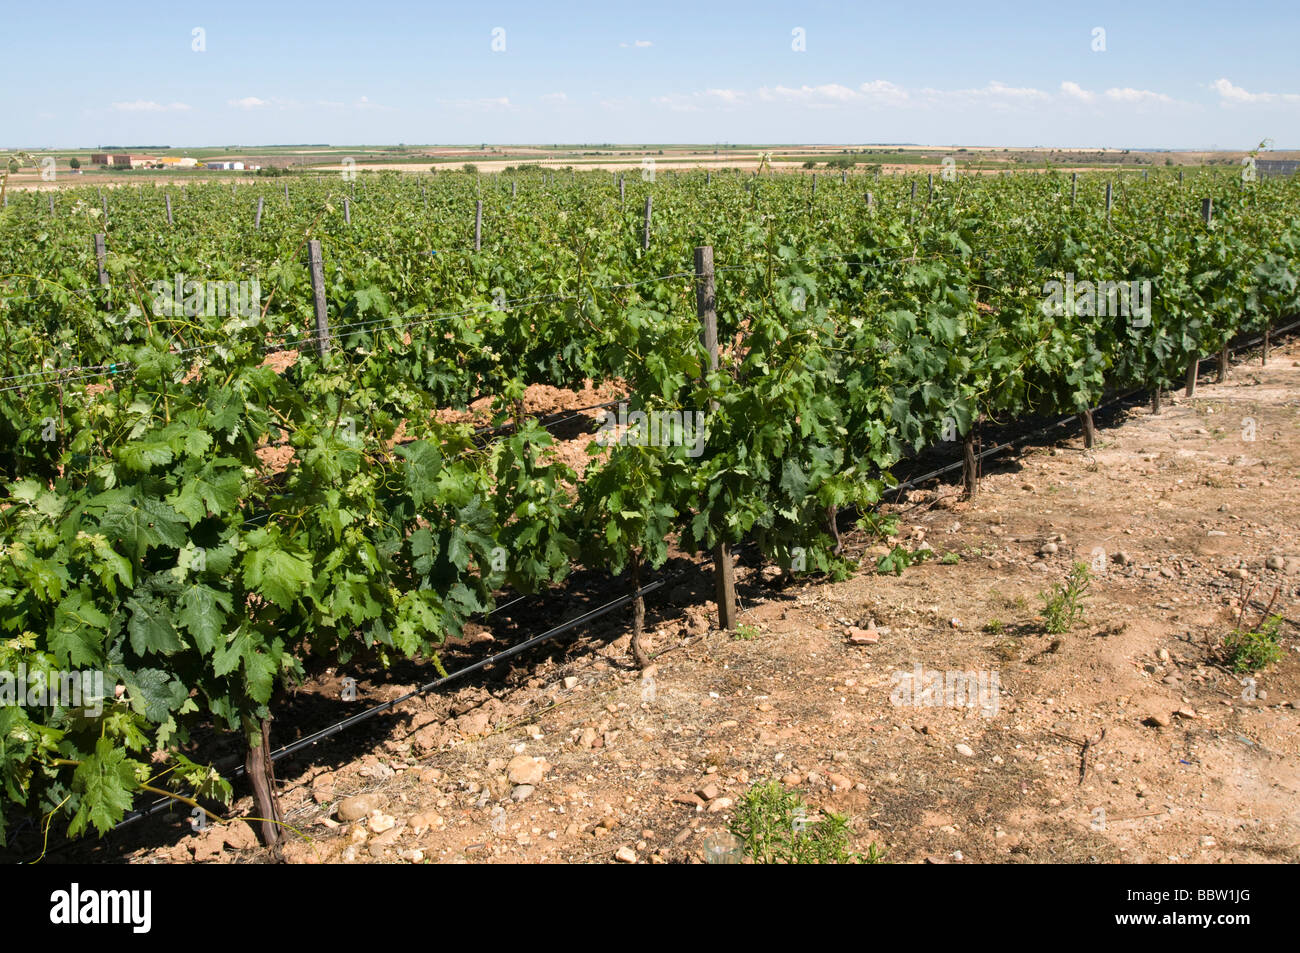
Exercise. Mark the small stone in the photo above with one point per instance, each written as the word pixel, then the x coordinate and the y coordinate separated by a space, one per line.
pixel 860 636
pixel 792 780
pixel 322 788
pixel 965 751
pixel 839 781
pixel 522 791
pixel 707 793
pixel 1185 713
pixel 359 806
pixel 1275 562
pixel 721 804
pixel 524 769
pixel 1122 558
pixel 1163 655
pixel 380 822
pixel 1159 720
pixel 571 682
pixel 625 855
pixel 1048 549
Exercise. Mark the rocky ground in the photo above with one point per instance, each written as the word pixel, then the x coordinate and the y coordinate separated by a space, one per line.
pixel 1124 739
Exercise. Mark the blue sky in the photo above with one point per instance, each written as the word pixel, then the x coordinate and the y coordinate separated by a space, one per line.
pixel 1178 75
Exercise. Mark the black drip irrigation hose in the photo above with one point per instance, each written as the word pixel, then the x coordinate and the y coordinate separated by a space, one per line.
pixel 312 739
pixel 1025 438
pixel 289 749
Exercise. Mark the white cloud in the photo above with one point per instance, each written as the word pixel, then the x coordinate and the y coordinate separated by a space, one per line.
pixel 555 99
pixel 884 93
pixel 249 102
pixel 143 105
pixel 1130 95
pixel 1075 91
pixel 639 44
pixel 825 94
pixel 1228 93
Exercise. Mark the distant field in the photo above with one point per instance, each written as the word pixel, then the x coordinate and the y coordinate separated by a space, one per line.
pixel 887 158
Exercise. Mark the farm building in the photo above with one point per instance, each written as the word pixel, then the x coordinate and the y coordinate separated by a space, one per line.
pixel 120 160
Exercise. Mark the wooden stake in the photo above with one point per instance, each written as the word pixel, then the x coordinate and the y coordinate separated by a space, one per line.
pixel 478 225
pixel 257 219
pixel 347 211
pixel 1089 428
pixel 1155 400
pixel 1074 186
pixel 706 308
pixel 1223 364
pixel 99 259
pixel 168 199
pixel 1193 369
pixel 970 465
pixel 645 236
pixel 317 268
pixel 639 654
pixel 1109 201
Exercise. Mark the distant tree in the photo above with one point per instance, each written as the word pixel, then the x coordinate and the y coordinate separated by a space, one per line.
pixel 74 163
pixel 469 168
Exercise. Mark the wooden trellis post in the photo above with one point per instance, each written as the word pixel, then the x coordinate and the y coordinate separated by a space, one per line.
pixel 317 268
pixel 100 254
pixel 706 306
